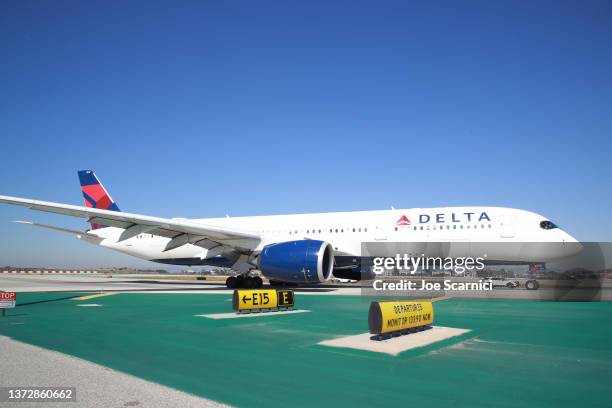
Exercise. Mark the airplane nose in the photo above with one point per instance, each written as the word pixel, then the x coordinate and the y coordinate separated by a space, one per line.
pixel 568 238
pixel 571 245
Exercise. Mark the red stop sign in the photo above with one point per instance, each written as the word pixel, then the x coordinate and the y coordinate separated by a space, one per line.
pixel 8 296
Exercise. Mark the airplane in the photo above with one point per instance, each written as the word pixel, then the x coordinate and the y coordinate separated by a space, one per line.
pixel 288 249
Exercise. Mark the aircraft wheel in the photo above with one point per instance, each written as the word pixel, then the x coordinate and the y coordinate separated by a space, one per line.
pixel 231 282
pixel 509 285
pixel 248 282
pixel 258 282
pixel 532 285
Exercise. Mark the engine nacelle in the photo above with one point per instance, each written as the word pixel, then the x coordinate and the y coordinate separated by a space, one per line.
pixel 304 261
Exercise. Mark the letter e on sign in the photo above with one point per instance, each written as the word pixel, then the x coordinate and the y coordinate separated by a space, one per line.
pixel 285 298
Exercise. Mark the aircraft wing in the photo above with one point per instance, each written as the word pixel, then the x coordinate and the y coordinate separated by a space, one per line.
pixel 179 231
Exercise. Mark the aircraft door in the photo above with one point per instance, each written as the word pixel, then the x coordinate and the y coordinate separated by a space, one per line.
pixel 506 226
pixel 380 233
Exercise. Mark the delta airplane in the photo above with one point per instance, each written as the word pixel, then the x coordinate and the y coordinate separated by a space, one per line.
pixel 300 248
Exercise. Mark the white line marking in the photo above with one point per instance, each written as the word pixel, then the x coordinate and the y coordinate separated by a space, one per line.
pixel 240 315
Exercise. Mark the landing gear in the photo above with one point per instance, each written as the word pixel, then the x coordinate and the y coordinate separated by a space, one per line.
pixel 244 281
pixel 532 284
pixel 253 282
pixel 231 282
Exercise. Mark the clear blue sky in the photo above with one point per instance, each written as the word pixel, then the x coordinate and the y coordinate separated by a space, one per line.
pixel 204 108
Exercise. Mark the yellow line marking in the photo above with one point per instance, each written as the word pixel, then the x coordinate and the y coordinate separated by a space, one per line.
pixel 97 295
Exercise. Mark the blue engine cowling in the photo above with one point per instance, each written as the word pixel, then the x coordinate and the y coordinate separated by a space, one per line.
pixel 304 261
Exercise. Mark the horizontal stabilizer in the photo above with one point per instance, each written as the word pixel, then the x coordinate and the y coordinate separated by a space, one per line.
pixel 79 234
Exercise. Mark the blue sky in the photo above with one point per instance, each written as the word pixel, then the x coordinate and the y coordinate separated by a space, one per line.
pixel 203 108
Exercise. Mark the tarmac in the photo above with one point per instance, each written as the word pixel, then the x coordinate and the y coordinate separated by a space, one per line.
pixel 517 352
pixel 137 284
pixel 96 385
pixel 587 290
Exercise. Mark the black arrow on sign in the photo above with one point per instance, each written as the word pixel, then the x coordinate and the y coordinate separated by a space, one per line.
pixel 244 299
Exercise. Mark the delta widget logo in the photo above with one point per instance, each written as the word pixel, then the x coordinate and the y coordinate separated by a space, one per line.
pixel 402 222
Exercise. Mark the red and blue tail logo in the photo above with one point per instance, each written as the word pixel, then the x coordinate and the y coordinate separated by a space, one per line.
pixel 94 194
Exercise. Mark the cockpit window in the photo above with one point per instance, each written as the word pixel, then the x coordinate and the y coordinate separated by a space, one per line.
pixel 547 225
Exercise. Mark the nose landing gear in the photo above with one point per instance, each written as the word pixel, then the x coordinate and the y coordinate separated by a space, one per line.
pixel 244 282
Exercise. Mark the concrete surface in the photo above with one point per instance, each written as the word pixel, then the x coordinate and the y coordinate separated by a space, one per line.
pixel 134 284
pixel 258 314
pixel 96 386
pixel 84 283
pixel 395 345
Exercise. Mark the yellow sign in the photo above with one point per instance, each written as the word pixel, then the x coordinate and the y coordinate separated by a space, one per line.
pixel 262 299
pixel 386 317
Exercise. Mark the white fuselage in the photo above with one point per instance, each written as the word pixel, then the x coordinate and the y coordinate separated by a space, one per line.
pixel 346 231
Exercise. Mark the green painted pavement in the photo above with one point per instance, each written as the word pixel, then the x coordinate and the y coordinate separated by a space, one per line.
pixel 519 353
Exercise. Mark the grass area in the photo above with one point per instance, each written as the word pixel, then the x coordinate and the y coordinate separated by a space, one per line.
pixel 518 353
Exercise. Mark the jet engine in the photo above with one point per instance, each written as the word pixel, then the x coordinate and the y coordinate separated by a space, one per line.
pixel 303 261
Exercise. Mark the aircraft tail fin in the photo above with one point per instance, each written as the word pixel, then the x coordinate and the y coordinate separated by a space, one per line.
pixel 94 194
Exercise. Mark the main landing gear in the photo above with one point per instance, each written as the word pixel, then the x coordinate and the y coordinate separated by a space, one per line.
pixel 244 282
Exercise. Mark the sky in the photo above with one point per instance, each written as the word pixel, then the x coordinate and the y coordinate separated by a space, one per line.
pixel 206 108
